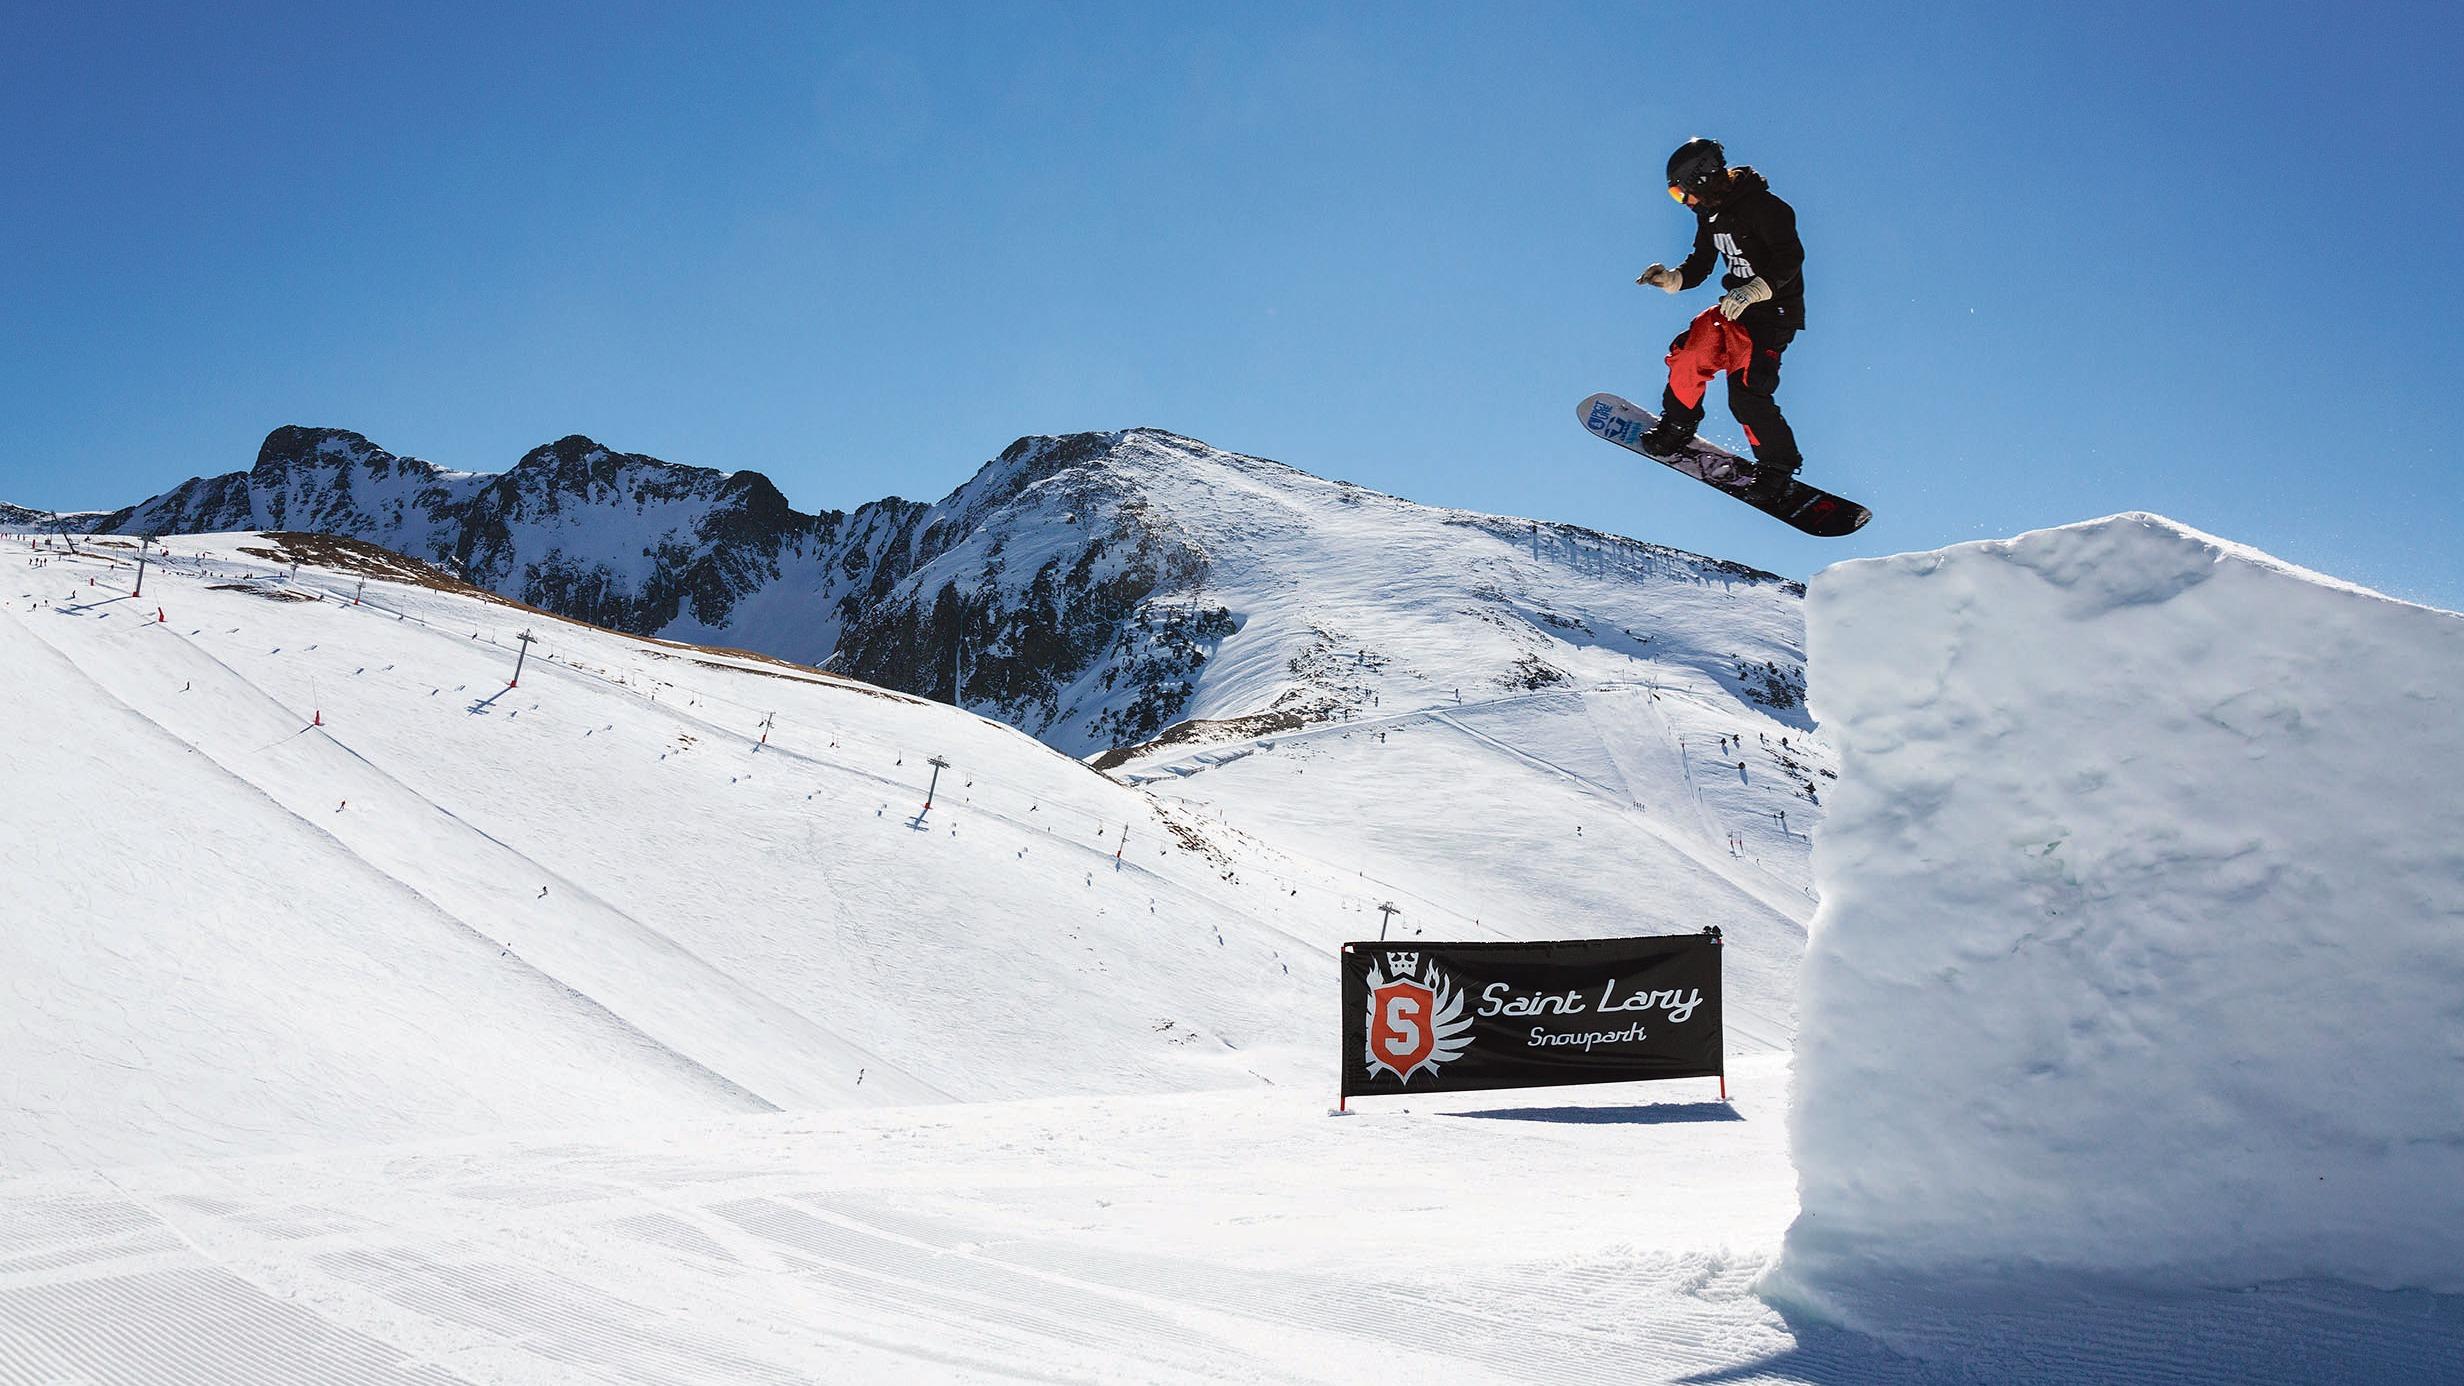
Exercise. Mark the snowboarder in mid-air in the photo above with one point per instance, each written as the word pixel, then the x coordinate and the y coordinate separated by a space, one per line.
pixel 1737 218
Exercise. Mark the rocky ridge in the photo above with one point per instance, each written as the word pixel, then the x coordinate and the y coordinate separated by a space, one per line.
pixel 1097 590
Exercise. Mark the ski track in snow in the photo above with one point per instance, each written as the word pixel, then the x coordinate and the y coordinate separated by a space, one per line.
pixel 1086 1240
pixel 1210 1238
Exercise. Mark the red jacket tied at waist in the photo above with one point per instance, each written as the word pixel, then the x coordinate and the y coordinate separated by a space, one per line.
pixel 1710 344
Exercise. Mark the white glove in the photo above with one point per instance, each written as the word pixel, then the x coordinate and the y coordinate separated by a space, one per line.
pixel 1742 297
pixel 1663 278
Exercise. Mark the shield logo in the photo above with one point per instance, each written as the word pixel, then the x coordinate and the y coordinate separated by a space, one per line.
pixel 1402 1030
pixel 1415 1022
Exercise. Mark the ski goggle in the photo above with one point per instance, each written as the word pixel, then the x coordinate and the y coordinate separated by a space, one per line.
pixel 1677 193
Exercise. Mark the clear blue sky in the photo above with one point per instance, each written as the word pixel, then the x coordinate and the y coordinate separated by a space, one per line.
pixel 2063 260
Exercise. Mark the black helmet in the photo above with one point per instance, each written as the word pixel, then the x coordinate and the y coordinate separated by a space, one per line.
pixel 1696 162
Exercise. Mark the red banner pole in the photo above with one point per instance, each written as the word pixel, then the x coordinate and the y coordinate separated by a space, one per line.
pixel 1720 942
pixel 1342 1099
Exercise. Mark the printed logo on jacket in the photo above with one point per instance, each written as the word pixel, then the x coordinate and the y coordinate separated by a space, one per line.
pixel 1451 1017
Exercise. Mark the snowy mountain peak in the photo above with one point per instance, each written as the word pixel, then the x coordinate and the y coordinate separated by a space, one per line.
pixel 578 470
pixel 1119 459
pixel 34 519
pixel 294 446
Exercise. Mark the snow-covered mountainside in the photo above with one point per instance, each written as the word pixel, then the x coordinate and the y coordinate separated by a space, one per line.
pixel 697 881
pixel 1101 590
pixel 301 870
pixel 1095 590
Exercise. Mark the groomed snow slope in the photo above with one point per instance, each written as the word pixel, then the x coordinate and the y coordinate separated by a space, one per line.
pixel 2141 951
pixel 711 923
pixel 777 925
pixel 192 972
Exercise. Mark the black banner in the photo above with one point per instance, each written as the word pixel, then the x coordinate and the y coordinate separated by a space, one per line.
pixel 1459 1017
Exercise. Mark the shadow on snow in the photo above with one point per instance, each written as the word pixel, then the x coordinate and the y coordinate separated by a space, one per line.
pixel 1644 1114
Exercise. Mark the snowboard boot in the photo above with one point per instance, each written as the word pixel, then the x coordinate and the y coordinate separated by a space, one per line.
pixel 1667 437
pixel 1771 480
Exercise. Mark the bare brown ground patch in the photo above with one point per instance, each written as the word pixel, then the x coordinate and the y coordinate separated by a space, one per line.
pixel 1207 732
pixel 271 594
pixel 1190 839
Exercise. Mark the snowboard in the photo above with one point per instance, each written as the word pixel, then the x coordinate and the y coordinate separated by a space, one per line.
pixel 1808 508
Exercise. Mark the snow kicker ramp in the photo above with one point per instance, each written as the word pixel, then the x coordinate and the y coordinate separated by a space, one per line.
pixel 2140 961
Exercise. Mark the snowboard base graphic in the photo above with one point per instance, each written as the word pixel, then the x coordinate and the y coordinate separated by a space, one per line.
pixel 1807 508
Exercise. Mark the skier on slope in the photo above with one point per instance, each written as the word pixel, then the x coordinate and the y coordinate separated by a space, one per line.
pixel 1739 219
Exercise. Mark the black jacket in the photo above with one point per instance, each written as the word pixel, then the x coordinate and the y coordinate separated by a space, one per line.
pixel 1757 234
